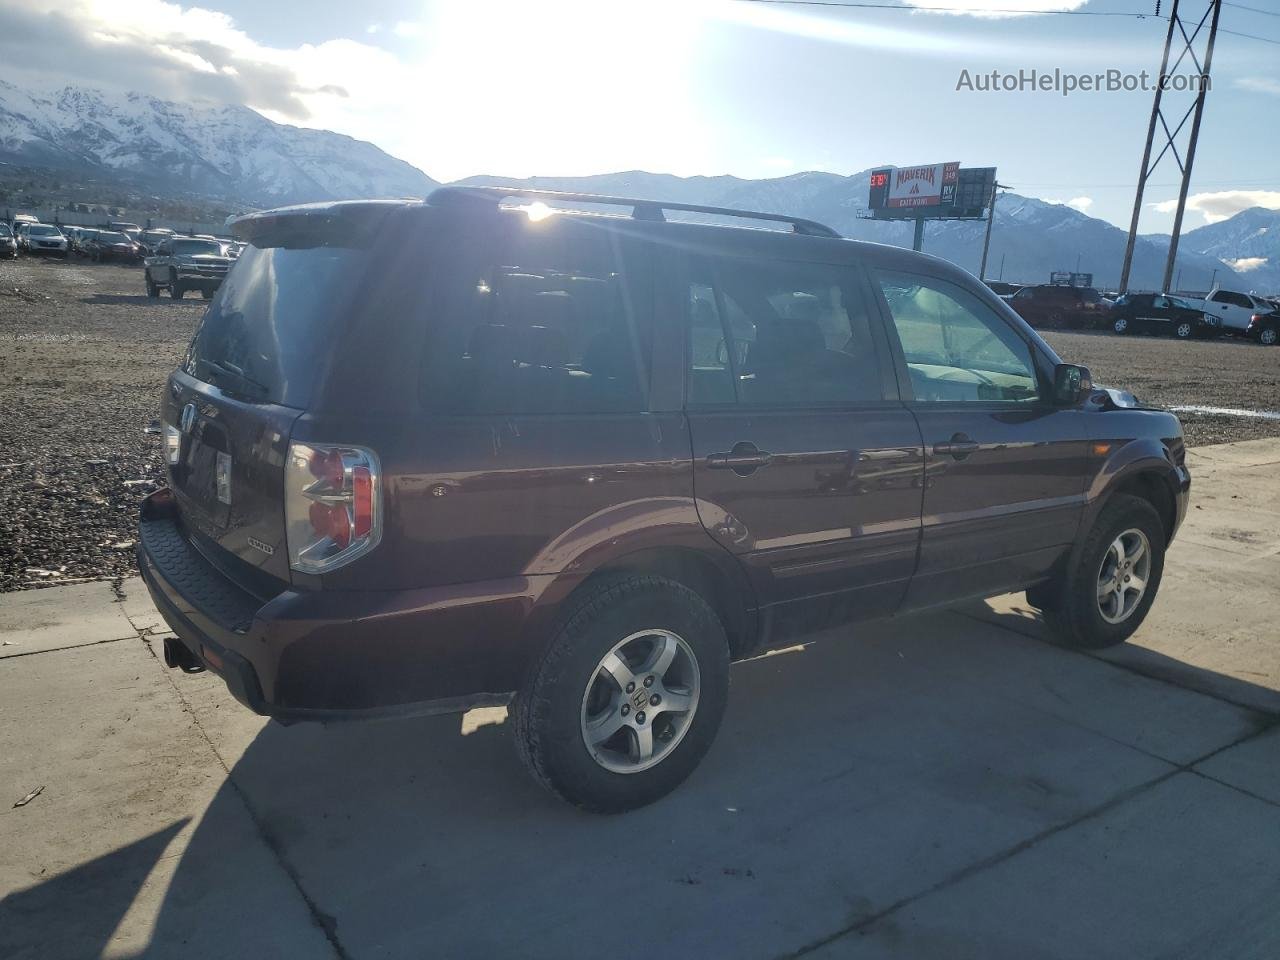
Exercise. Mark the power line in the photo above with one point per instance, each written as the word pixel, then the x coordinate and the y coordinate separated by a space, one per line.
pixel 854 5
pixel 1241 6
pixel 1249 36
pixel 869 5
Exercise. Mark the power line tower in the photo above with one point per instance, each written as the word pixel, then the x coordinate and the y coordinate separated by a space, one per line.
pixel 1200 51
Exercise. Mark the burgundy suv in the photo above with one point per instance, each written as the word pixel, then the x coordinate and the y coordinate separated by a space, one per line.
pixel 425 455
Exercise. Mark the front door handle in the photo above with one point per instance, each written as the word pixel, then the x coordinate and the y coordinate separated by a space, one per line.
pixel 959 446
pixel 744 459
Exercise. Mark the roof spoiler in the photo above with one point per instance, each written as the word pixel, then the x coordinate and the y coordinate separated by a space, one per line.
pixel 352 212
pixel 650 210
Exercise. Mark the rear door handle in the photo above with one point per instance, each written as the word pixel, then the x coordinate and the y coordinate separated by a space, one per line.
pixel 744 459
pixel 959 446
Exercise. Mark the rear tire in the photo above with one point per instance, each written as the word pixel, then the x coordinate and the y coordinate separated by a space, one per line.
pixel 571 696
pixel 177 291
pixel 152 290
pixel 1184 330
pixel 1097 603
pixel 1121 325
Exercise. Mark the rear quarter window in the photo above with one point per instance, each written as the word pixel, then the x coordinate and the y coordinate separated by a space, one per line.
pixel 551 322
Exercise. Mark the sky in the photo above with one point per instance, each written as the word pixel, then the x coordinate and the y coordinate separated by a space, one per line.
pixel 753 89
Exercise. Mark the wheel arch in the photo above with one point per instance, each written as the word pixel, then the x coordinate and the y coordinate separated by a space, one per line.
pixel 717 580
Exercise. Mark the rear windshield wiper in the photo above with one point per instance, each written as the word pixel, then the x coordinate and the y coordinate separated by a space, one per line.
pixel 225 369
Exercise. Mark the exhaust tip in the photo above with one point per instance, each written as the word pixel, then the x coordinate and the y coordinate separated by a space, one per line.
pixel 177 656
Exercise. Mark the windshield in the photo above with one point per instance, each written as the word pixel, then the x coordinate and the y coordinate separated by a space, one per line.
pixel 43 231
pixel 113 238
pixel 190 248
pixel 4 231
pixel 1179 302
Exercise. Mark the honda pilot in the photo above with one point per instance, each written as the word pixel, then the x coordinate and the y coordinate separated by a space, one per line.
pixel 496 448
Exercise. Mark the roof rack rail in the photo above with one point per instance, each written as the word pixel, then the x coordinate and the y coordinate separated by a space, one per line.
pixel 651 210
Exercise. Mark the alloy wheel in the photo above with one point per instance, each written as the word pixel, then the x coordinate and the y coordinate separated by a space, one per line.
pixel 1184 330
pixel 640 701
pixel 1268 337
pixel 1121 325
pixel 1123 576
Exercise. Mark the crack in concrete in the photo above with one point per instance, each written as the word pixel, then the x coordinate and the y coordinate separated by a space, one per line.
pixel 325 922
pixel 997 858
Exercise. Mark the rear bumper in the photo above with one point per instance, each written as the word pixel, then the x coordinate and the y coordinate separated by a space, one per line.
pixel 329 655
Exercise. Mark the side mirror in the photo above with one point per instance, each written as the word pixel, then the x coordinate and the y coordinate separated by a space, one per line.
pixel 1071 384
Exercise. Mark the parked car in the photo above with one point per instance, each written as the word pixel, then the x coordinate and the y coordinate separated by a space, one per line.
pixel 8 242
pixel 593 459
pixel 186 263
pixel 43 240
pixel 80 241
pixel 1058 307
pixel 1162 314
pixel 107 245
pixel 1265 328
pixel 124 226
pixel 1235 309
pixel 151 239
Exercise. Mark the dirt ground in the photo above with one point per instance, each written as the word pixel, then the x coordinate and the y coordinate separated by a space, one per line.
pixel 83 355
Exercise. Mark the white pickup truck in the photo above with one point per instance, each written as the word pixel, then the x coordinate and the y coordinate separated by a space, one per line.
pixel 1234 309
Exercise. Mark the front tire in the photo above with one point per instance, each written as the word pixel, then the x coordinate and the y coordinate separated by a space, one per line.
pixel 152 290
pixel 1112 581
pixel 1184 330
pixel 1121 325
pixel 580 724
pixel 1269 336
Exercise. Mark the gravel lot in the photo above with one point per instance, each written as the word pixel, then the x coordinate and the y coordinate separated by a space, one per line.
pixel 83 354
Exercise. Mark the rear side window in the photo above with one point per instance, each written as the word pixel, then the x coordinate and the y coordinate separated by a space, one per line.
pixel 277 316
pixel 551 324
pixel 1235 299
pixel 775 333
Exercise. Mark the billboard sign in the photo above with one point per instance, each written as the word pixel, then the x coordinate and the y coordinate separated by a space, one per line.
pixel 898 188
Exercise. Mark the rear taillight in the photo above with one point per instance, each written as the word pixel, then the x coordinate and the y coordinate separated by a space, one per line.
pixel 333 510
pixel 1255 320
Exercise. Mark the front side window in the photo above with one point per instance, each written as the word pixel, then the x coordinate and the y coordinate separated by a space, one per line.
pixel 549 327
pixel 779 334
pixel 956 348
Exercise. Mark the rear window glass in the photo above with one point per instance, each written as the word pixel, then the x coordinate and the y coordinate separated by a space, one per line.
pixel 549 328
pixel 279 312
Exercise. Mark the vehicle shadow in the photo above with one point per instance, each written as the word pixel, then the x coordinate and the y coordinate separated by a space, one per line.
pixel 141 299
pixel 849 775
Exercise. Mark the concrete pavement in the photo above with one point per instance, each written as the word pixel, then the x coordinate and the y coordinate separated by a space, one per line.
pixel 946 785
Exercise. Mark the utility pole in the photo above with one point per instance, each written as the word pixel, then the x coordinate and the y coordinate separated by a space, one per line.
pixel 1187 48
pixel 917 243
pixel 986 241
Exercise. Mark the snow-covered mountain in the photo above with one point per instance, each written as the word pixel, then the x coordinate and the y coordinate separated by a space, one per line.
pixel 213 150
pixel 1249 242
pixel 233 153
pixel 1029 239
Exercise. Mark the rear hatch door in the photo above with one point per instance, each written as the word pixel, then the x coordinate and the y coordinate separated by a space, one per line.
pixel 259 356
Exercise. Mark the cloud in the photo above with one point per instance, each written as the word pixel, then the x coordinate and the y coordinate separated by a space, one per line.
pixel 1224 204
pixel 1259 85
pixel 994 9
pixel 187 53
pixel 1245 264
pixel 1075 203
